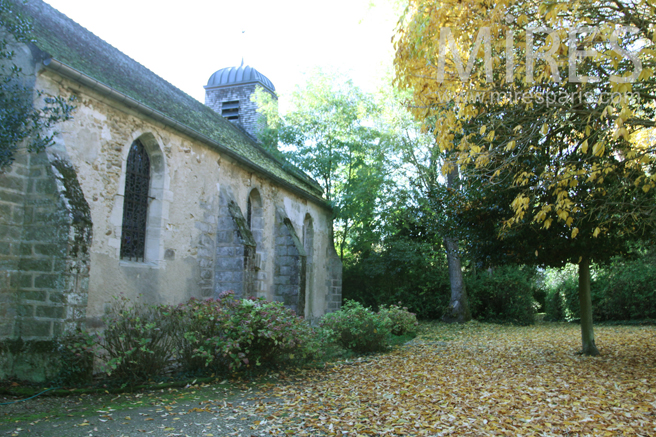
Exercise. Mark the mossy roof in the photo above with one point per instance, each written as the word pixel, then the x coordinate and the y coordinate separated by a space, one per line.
pixel 73 45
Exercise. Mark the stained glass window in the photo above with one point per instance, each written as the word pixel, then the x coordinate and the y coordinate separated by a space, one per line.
pixel 135 203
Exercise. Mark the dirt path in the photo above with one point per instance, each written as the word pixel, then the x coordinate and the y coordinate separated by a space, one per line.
pixel 202 410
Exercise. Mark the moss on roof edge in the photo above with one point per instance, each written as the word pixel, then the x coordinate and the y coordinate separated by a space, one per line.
pixel 94 84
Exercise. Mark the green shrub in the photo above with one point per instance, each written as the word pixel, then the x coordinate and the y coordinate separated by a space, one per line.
pixel 623 290
pixel 504 295
pixel 229 334
pixel 357 328
pixel 562 302
pixel 138 340
pixel 626 291
pixel 402 321
pixel 201 339
pixel 76 353
pixel 413 272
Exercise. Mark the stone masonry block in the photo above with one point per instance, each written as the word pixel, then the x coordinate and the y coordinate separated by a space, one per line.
pixel 16 183
pixel 237 287
pixel 223 277
pixel 225 237
pixel 36 328
pixel 11 196
pixel 50 312
pixel 21 280
pixel 18 216
pixel 281 280
pixel 56 297
pixel 25 310
pixel 60 265
pixel 227 264
pixel 39 296
pixel 53 282
pixel 10 232
pixel 225 251
pixel 6 329
pixel 48 249
pixel 5 213
pixel 57 329
pixel 21 249
pixel 41 233
pixel 45 186
pixel 35 265
pixel 226 223
pixel 8 264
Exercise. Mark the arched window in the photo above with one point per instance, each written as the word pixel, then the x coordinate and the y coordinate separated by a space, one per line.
pixel 255 215
pixel 249 213
pixel 135 203
pixel 308 245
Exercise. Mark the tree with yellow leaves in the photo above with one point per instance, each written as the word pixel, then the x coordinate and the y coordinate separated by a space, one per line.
pixel 555 102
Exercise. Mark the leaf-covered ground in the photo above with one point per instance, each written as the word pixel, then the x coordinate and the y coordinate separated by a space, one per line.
pixel 493 380
pixel 474 379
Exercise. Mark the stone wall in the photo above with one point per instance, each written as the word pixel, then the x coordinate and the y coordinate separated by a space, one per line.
pixel 206 252
pixel 248 115
pixel 45 238
pixel 289 278
pixel 334 282
pixel 235 250
pixel 45 245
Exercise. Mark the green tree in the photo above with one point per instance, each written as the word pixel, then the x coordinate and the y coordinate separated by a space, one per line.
pixel 332 132
pixel 19 120
pixel 486 207
pixel 422 159
pixel 580 169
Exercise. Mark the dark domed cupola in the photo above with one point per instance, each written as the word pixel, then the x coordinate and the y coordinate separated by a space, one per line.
pixel 229 90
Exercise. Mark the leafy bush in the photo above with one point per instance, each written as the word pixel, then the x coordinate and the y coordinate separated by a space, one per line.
pixel 228 333
pixel 627 290
pixel 411 271
pixel 138 340
pixel 503 295
pixel 357 328
pixel 76 353
pixel 402 321
pixel 201 334
pixel 621 291
pixel 562 302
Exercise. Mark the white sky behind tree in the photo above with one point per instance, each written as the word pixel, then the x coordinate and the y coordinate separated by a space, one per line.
pixel 186 41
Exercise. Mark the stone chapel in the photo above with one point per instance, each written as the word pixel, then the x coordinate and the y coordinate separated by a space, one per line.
pixel 150 195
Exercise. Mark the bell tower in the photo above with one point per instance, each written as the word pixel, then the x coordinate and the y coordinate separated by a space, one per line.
pixel 229 90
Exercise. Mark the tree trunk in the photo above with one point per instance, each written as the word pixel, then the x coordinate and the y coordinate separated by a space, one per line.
pixel 585 299
pixel 458 311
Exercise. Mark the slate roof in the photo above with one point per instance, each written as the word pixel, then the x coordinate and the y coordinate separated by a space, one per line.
pixel 71 44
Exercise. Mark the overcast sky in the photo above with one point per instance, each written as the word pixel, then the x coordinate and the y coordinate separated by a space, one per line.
pixel 186 41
